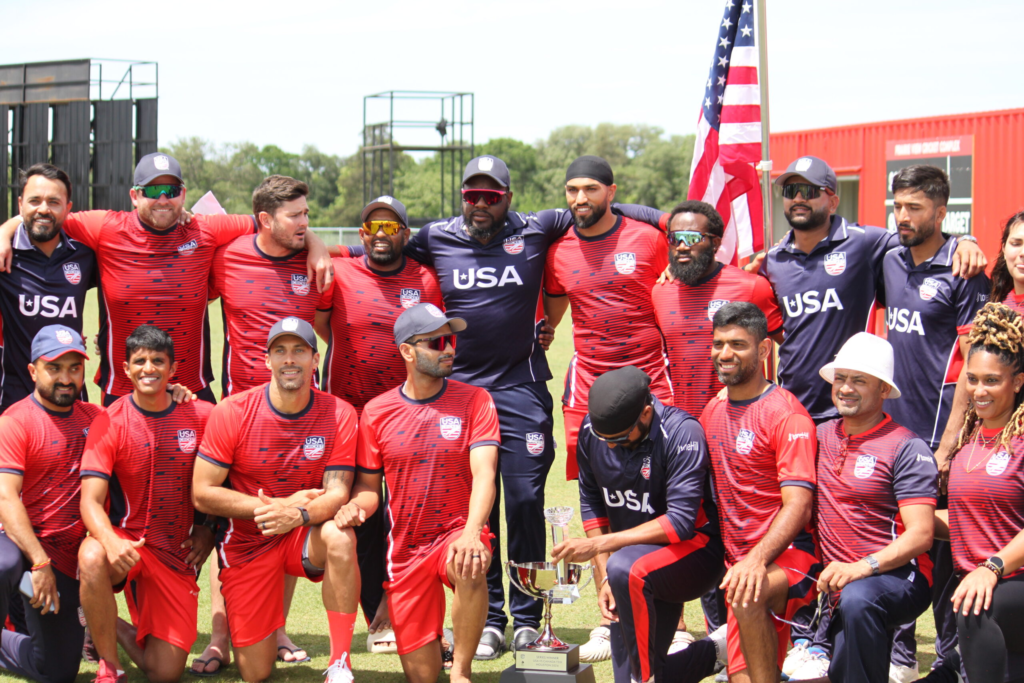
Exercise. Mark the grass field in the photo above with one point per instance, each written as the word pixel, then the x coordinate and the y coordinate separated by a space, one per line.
pixel 307 623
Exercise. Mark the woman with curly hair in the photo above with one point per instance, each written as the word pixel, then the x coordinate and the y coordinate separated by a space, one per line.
pixel 1008 273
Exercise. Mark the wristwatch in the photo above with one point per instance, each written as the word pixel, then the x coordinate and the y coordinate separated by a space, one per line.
pixel 873 563
pixel 966 238
pixel 305 516
pixel 995 565
pixel 211 524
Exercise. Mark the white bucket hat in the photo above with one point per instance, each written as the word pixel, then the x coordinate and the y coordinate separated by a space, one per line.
pixel 867 353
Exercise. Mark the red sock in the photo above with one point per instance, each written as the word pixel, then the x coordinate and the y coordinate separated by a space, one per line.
pixel 341 627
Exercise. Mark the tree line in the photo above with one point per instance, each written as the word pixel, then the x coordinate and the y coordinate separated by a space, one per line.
pixel 650 168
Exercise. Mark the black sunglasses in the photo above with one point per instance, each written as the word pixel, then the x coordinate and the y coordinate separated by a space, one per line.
pixel 437 343
pixel 806 189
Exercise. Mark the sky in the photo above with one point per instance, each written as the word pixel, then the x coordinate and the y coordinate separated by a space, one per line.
pixel 295 73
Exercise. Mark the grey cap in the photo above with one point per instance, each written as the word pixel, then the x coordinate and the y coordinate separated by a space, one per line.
pixel 492 167
pixel 423 318
pixel 53 341
pixel 293 326
pixel 152 166
pixel 385 202
pixel 813 170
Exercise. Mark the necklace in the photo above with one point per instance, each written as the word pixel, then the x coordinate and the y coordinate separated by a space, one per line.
pixel 987 443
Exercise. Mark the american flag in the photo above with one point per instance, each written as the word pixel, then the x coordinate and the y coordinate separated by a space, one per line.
pixel 729 136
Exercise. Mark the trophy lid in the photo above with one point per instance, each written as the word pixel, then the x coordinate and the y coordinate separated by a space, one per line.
pixel 559 515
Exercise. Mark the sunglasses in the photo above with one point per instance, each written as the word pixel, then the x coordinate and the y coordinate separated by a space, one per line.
pixel 437 343
pixel 154 191
pixel 687 238
pixel 389 227
pixel 490 197
pixel 619 440
pixel 806 189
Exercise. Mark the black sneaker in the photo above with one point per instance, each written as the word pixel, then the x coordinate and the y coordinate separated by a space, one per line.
pixel 523 637
pixel 492 644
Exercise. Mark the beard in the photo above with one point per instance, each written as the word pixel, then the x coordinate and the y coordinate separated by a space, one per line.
pixel 691 273
pixel 817 219
pixel 383 258
pixel 42 232
pixel 743 374
pixel 286 240
pixel 433 368
pixel 596 214
pixel 293 384
pixel 62 400
pixel 918 236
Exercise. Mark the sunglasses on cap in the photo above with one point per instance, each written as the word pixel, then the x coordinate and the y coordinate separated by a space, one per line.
pixel 389 227
pixel 437 343
pixel 806 189
pixel 687 238
pixel 154 191
pixel 490 197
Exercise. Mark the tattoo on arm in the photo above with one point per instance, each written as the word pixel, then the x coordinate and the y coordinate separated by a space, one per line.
pixel 338 479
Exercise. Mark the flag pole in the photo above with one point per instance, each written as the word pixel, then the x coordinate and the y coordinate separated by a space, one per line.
pixel 765 166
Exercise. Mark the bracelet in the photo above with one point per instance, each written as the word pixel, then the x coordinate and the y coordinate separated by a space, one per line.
pixel 604 581
pixel 41 565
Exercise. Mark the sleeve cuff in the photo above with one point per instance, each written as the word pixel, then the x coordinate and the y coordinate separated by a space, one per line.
pixel 917 501
pixel 797 482
pixel 554 296
pixel 670 531
pixel 595 523
pixel 94 473
pixel 774 332
pixel 961 330
pixel 369 470
pixel 255 225
pixel 11 470
pixel 210 460
pixel 491 442
pixel 324 310
pixel 342 468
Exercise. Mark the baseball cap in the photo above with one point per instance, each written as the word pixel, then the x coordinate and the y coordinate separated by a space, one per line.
pixel 385 202
pixel 492 167
pixel 867 353
pixel 617 398
pixel 423 318
pixel 813 170
pixel 294 326
pixel 53 341
pixel 153 166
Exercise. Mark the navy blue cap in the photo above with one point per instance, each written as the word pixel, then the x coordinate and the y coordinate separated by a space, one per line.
pixel 53 341
pixel 152 166
pixel 385 202
pixel 492 167
pixel 617 398
pixel 423 318
pixel 813 170
pixel 293 326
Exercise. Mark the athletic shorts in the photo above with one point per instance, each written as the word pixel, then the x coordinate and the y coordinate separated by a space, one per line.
pixel 416 599
pixel 254 591
pixel 802 591
pixel 162 602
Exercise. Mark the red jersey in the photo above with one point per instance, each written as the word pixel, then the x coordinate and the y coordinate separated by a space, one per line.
pixel 256 291
pixel 684 314
pixel 608 280
pixel 423 448
pixel 1016 303
pixel 881 470
pixel 277 452
pixel 147 457
pixel 986 499
pixel 45 448
pixel 363 361
pixel 757 446
pixel 154 278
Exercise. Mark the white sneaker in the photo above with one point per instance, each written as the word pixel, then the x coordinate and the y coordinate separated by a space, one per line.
pixel 903 674
pixel 796 657
pixel 599 647
pixel 721 646
pixel 680 641
pixel 815 666
pixel 339 671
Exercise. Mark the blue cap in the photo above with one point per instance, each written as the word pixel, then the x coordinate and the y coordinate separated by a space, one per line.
pixel 492 167
pixel 423 318
pixel 293 326
pixel 812 169
pixel 385 202
pixel 152 166
pixel 53 341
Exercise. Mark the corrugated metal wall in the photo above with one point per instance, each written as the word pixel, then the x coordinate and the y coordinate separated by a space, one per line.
pixel 71 148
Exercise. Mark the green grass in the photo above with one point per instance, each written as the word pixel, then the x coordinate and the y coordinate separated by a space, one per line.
pixel 307 623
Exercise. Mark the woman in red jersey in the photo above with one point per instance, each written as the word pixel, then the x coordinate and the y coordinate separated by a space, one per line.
pixel 1008 273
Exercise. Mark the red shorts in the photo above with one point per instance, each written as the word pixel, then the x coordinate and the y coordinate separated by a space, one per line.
pixel 254 590
pixel 162 602
pixel 416 598
pixel 802 591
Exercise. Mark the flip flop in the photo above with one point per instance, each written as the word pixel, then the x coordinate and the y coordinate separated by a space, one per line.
pixel 382 643
pixel 293 650
pixel 203 673
pixel 448 655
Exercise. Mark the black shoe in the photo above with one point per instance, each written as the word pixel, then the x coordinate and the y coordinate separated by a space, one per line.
pixel 492 644
pixel 524 636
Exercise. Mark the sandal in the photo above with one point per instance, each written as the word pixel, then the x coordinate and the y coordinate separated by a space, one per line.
pixel 382 642
pixel 292 650
pixel 202 672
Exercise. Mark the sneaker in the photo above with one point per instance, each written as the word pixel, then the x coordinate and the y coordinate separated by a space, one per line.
pixel 796 657
pixel 339 671
pixel 108 674
pixel 903 674
pixel 721 677
pixel 492 644
pixel 721 646
pixel 680 641
pixel 599 647
pixel 815 666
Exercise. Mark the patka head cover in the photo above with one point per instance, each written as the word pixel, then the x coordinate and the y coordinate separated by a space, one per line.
pixel 617 398
pixel 590 166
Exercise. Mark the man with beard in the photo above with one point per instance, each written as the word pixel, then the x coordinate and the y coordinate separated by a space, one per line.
pixel 50 275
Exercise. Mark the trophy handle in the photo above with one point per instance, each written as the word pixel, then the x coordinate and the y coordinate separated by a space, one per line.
pixel 589 569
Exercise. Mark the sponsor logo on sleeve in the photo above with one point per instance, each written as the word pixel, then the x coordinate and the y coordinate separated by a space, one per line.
pixel 625 262
pixel 796 436
pixel 997 463
pixel 72 273
pixel 451 427
pixel 64 337
pixel 314 447
pixel 691 446
pixel 535 443
pixel 865 466
pixel 645 470
pixel 744 441
pixel 187 440
pixel 714 305
pixel 300 284
pixel 514 244
pixel 188 248
pixel 409 297
pixel 835 263
pixel 929 288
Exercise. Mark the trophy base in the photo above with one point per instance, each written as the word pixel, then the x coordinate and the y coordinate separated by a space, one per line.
pixel 584 673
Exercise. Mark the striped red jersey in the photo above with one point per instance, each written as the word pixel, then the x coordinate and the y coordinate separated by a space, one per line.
pixel 757 446
pixel 44 447
pixel 147 457
pixel 608 280
pixel 423 448
pixel 153 278
pixel 362 360
pixel 1015 302
pixel 881 470
pixel 684 314
pixel 280 453
pixel 986 499
pixel 256 291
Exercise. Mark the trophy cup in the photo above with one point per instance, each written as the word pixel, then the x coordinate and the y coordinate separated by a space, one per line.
pixel 548 659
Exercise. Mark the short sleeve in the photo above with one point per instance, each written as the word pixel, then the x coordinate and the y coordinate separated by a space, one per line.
pixel 221 435
pixel 100 447
pixel 796 446
pixel 552 286
pixel 971 296
pixel 226 228
pixel 86 227
pixel 418 247
pixel 915 475
pixel 484 430
pixel 764 298
pixel 592 509
pixel 554 222
pixel 13 446
pixel 431 287
pixel 644 214
pixel 343 457
pixel 326 301
pixel 660 245
pixel 368 451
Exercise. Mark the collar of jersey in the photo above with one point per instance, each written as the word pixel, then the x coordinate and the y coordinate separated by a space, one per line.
pixel 54 413
pixel 598 238
pixel 841 429
pixel 23 243
pixel 150 413
pixel 384 273
pixel 719 266
pixel 288 416
pixel 423 401
pixel 263 254
pixel 513 223
pixel 837 232
pixel 750 401
pixel 943 258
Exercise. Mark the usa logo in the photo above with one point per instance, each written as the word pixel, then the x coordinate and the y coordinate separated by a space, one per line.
pixel 997 463
pixel 188 248
pixel 72 273
pixel 187 440
pixel 929 288
pixel 625 263
pixel 451 427
pixel 485 163
pixel 434 311
pixel 64 337
pixel 409 297
pixel 161 163
pixel 744 441
pixel 314 447
pixel 713 307
pixel 535 443
pixel 865 466
pixel 645 470
pixel 300 284
pixel 514 244
pixel 835 263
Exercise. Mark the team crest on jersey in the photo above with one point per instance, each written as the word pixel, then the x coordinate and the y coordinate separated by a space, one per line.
pixel 64 337
pixel 713 307
pixel 409 297
pixel 188 248
pixel 997 463
pixel 187 440
pixel 929 288
pixel 314 447
pixel 835 263
pixel 300 284
pixel 646 468
pixel 865 466
pixel 535 443
pixel 514 244
pixel 72 273
pixel 451 427
pixel 625 263
pixel 744 441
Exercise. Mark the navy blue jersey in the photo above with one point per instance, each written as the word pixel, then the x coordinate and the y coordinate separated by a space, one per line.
pixel 39 291
pixel 667 477
pixel 927 309
pixel 826 297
